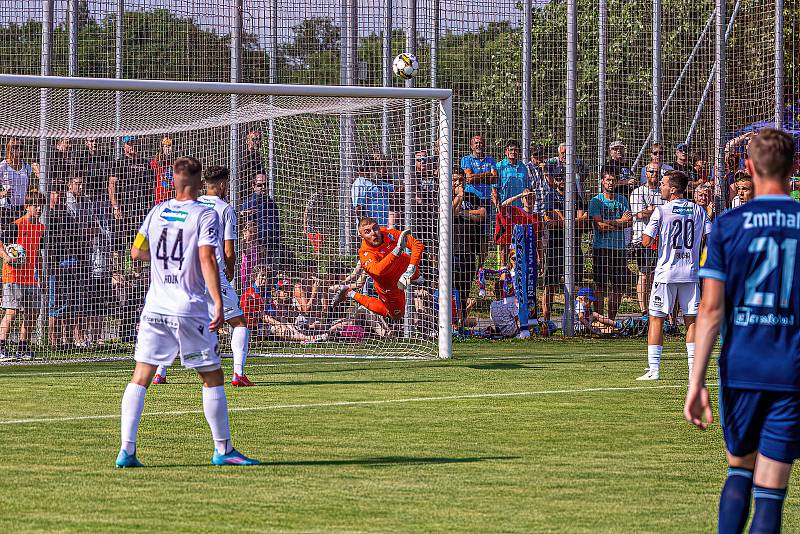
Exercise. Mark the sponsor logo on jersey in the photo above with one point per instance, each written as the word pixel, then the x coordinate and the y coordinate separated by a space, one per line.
pixel 208 203
pixel 174 215
pixel 746 316
pixel 683 210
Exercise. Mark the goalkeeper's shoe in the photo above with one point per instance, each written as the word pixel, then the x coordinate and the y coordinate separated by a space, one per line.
pixel 340 295
pixel 158 379
pixel 232 458
pixel 127 460
pixel 241 381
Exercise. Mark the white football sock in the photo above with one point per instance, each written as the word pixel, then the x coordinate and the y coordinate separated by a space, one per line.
pixel 654 357
pixel 239 340
pixel 690 356
pixel 162 370
pixel 215 406
pixel 132 408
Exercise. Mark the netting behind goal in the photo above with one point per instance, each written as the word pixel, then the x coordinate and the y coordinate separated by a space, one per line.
pixel 297 212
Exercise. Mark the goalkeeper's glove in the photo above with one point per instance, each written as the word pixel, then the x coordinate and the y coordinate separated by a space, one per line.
pixel 401 243
pixel 405 278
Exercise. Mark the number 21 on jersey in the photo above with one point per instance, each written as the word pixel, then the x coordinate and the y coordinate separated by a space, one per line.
pixel 788 249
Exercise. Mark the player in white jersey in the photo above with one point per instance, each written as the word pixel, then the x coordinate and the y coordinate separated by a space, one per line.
pixel 217 180
pixel 184 235
pixel 679 227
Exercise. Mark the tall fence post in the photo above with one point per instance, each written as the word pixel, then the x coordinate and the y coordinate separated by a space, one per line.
pixel 527 65
pixel 434 71
pixel 119 43
pixel 602 40
pixel 236 67
pixel 778 63
pixel 408 151
pixel 656 110
pixel 345 165
pixel 44 145
pixel 273 78
pixel 72 63
pixel 571 127
pixel 719 108
pixel 387 75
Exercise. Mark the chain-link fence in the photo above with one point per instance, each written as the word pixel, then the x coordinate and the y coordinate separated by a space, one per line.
pixel 647 97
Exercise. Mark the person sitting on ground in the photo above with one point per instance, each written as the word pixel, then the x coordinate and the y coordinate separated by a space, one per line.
pixel 585 316
pixel 504 310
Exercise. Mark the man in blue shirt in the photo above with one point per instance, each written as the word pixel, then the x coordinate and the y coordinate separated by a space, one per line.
pixel 512 177
pixel 611 217
pixel 479 169
pixel 750 269
pixel 370 196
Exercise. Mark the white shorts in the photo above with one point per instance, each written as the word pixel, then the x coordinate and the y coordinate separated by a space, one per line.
pixel 163 337
pixel 664 295
pixel 230 300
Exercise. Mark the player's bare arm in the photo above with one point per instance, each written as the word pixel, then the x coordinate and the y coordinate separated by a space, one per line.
pixel 140 251
pixel 208 264
pixel 697 408
pixel 230 258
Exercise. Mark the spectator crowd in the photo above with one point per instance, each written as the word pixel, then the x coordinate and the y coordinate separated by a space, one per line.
pixel 78 231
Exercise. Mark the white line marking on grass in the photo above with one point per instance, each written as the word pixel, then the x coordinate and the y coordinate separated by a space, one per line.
pixel 527 358
pixel 349 403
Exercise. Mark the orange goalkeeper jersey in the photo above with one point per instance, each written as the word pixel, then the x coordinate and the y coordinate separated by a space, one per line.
pixel 384 267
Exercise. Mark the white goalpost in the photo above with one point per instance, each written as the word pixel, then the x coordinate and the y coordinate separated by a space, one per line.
pixel 297 239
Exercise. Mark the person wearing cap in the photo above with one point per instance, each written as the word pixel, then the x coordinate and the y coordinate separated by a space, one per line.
pixel 128 184
pixel 161 165
pixel 656 156
pixel 541 182
pixel 618 166
pixel 585 316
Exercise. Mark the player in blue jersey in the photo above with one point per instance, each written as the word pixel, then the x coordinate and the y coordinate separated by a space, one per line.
pixel 750 271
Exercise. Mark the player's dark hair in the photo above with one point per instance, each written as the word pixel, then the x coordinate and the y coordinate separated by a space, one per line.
pixel 741 176
pixel 216 174
pixel 34 198
pixel 512 143
pixel 189 166
pixel 678 179
pixel 772 153
pixel 607 170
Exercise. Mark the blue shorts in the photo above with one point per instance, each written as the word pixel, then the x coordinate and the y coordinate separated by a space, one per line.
pixel 763 421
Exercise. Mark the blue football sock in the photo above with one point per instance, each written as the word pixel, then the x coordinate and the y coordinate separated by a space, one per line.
pixel 769 508
pixel 734 502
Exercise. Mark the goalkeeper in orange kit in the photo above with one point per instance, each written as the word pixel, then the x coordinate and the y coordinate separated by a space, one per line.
pixel 383 256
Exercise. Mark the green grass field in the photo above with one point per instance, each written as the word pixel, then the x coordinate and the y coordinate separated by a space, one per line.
pixel 506 437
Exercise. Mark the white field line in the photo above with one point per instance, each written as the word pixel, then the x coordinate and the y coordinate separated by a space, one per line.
pixel 349 403
pixel 177 368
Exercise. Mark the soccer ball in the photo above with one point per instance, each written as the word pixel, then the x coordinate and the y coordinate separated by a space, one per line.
pixel 405 66
pixel 17 253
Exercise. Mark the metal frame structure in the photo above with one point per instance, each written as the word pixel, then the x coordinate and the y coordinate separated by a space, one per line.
pixel 443 97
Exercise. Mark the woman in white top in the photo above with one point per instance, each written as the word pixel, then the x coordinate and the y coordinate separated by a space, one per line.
pixel 14 176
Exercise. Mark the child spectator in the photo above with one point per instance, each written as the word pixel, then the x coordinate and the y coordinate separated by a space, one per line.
pixel 20 291
pixel 586 317
pixel 504 311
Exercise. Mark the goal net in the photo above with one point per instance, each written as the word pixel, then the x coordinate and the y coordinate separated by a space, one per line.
pixel 305 165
